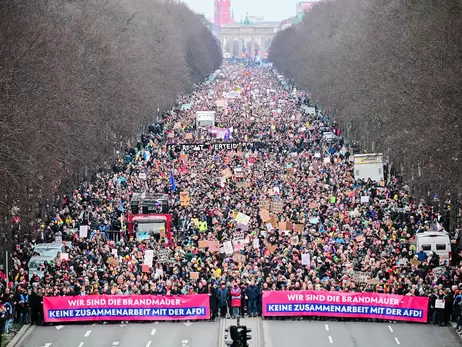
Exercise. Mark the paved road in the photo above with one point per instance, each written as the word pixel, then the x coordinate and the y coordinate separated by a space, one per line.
pixel 198 334
pixel 355 334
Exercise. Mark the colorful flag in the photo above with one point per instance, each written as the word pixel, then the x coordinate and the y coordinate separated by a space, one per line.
pixel 172 181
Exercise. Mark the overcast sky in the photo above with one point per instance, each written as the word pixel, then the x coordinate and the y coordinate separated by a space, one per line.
pixel 272 10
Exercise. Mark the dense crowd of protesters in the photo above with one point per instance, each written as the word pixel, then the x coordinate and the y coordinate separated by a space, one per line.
pixel 292 164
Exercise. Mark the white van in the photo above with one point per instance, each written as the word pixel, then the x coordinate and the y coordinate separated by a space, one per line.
pixel 437 242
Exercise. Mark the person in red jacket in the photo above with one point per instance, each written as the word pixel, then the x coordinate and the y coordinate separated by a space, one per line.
pixel 235 300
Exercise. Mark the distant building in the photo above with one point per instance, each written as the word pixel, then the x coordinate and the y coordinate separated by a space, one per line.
pixel 222 13
pixel 256 19
pixel 302 8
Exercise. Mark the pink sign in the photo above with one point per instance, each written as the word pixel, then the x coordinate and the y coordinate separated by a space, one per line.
pixel 123 307
pixel 340 304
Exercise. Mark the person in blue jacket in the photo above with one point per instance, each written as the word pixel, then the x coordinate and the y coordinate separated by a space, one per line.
pixel 252 293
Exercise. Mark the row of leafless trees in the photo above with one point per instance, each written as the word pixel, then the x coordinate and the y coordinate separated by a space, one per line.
pixel 390 72
pixel 78 78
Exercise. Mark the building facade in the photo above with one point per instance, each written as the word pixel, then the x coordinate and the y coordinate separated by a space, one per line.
pixel 223 14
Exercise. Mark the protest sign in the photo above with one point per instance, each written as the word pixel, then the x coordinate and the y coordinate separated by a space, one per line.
pixel 145 268
pixel 277 207
pixel 130 308
pixel 203 244
pixel 299 228
pixel 313 205
pixel 364 199
pixel 360 277
pixel 239 257
pixel 265 205
pixel 83 231
pixel 373 281
pixel 238 236
pixel 242 218
pixel 142 176
pixel 65 256
pixel 184 198
pixel 163 255
pixel 306 259
pixel 243 227
pixel 226 173
pixel 214 246
pixel 264 215
pixel 340 304
pixel 256 243
pixel 112 261
pixel 188 136
pixel 194 275
pixel 439 303
pixel 114 252
pixel 294 240
pixel 228 247
pixel 148 257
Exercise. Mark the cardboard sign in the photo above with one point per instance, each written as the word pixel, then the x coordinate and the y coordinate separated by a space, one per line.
pixel 313 205
pixel 184 198
pixel 177 125
pixel 360 277
pixel 203 244
pixel 214 246
pixel 188 136
pixel 264 215
pixel 226 173
pixel 282 226
pixel 265 205
pixel 184 158
pixel 298 228
pixel 277 207
pixel 239 257
pixel 194 275
pixel 112 261
pixel 162 232
pixel 415 262
pixel 242 185
pixel 290 171
pixel 274 221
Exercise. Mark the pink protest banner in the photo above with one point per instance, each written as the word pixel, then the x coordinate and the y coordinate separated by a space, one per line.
pixel 129 308
pixel 339 304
